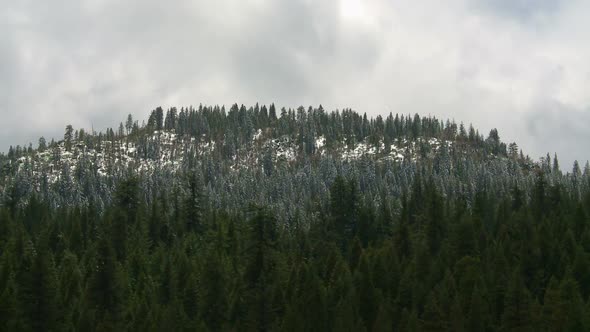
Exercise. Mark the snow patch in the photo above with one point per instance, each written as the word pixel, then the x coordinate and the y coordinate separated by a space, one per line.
pixel 320 142
pixel 257 135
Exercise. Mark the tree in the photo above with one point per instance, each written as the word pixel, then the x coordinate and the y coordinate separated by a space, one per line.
pixel 121 132
pixel 575 318
pixel 494 143
pixel 82 135
pixel 435 224
pixel 553 313
pixel 159 118
pixel 401 235
pixel 576 171
pixel 267 162
pixel 343 206
pixel 369 297
pixel 517 314
pixel 10 320
pixel 42 144
pixel 513 150
pixel 478 312
pixel 104 292
pixel 127 197
pixel 433 317
pixel 68 136
pixel 213 302
pixel 260 270
pixel 539 198
pixel 39 295
pixel 70 288
pixel 272 113
pixel 129 123
pixel 555 169
pixel 193 211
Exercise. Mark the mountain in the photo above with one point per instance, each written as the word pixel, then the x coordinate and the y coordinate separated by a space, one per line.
pixel 307 220
pixel 243 146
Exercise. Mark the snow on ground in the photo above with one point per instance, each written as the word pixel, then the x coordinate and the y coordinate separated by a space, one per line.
pixel 360 150
pixel 257 135
pixel 287 153
pixel 320 142
pixel 170 154
pixel 122 153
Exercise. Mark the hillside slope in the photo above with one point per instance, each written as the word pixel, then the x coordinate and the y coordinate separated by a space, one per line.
pixel 251 155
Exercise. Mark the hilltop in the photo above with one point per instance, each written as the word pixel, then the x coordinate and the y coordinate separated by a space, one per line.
pixel 232 148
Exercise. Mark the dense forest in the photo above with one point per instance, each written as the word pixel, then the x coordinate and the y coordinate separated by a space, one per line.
pixel 306 220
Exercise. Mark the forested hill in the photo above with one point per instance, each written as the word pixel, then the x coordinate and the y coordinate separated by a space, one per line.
pixel 254 219
pixel 290 155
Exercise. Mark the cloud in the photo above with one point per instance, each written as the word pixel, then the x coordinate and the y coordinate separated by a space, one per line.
pixel 551 120
pixel 514 65
pixel 519 9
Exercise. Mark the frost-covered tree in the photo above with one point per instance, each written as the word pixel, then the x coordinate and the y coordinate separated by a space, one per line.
pixel 68 136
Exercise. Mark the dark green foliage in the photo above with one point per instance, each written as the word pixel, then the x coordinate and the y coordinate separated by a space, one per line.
pixel 214 307
pixel 344 211
pixel 517 315
pixel 104 296
pixel 147 266
pixel 127 197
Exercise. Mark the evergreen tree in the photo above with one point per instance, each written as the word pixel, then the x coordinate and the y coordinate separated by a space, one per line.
pixel 104 289
pixel 42 144
pixel 517 314
pixel 260 270
pixel 192 207
pixel 213 303
pixel 68 136
pixel 129 124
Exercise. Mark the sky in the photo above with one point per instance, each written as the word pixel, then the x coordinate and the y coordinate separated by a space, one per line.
pixel 520 66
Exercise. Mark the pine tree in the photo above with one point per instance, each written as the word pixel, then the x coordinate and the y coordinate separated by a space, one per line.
pixel 555 169
pixel 159 118
pixel 42 144
pixel 517 306
pixel 213 302
pixel 553 313
pixel 70 289
pixel 39 296
pixel 369 297
pixel 478 312
pixel 104 292
pixel 193 211
pixel 457 317
pixel 432 318
pixel 68 136
pixel 575 320
pixel 260 270
pixel 9 311
pixel 343 209
pixel 129 123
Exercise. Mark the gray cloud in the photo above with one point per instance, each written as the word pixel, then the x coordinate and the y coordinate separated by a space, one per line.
pixel 551 120
pixel 519 65
pixel 520 9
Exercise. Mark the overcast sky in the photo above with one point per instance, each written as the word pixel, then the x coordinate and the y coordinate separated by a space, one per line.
pixel 522 66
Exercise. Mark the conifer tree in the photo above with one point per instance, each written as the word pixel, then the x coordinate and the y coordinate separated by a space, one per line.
pixel 517 314
pixel 193 211
pixel 68 136
pixel 213 303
